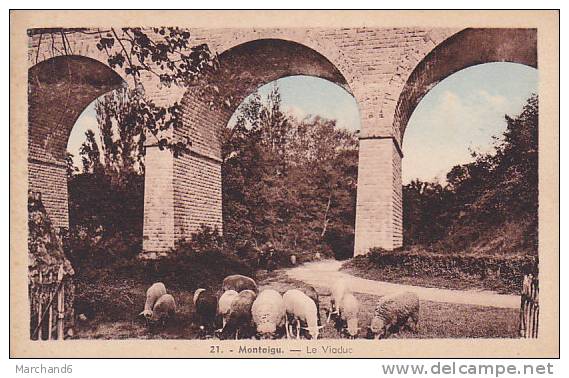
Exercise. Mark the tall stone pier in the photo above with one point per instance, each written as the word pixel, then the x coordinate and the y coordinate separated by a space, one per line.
pixel 388 71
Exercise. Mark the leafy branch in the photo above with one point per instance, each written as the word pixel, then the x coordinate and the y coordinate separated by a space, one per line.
pixel 164 53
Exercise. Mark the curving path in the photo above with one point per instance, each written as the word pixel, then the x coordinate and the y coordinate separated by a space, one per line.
pixel 324 273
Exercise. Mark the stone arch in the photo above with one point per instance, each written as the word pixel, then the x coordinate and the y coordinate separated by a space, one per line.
pixel 379 214
pixel 243 68
pixel 464 49
pixel 59 89
pixel 49 43
pixel 322 46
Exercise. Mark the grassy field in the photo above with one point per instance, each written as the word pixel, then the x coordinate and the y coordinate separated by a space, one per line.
pixel 121 321
pixel 437 320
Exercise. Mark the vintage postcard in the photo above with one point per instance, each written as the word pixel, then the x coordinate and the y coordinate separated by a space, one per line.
pixel 284 184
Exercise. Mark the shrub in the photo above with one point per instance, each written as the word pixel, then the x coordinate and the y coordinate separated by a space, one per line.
pixel 88 250
pixel 111 285
pixel 505 271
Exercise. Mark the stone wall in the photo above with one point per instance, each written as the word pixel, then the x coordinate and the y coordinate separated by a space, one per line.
pixel 59 90
pixel 158 226
pixel 387 70
pixel 50 179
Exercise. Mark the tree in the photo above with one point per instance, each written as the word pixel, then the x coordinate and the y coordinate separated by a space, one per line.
pixel 106 199
pixel 91 154
pixel 71 169
pixel 482 196
pixel 286 180
pixel 122 136
pixel 164 53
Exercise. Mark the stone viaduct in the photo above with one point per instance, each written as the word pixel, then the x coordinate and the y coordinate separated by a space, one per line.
pixel 387 71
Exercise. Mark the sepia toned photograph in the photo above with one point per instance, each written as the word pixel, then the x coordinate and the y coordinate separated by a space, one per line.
pixel 241 191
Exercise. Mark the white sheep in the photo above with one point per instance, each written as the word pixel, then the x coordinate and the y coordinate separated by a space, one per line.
pixel 394 311
pixel 224 305
pixel 340 288
pixel 349 308
pixel 153 293
pixel 313 294
pixel 301 309
pixel 268 311
pixel 164 308
pixel 239 321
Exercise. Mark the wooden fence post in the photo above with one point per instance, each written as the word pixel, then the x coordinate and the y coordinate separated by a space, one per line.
pixel 40 290
pixel 50 314
pixel 48 311
pixel 60 304
pixel 529 309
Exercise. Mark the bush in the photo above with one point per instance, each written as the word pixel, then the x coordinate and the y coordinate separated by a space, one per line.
pixel 89 250
pixel 504 273
pixel 489 205
pixel 188 269
pixel 112 288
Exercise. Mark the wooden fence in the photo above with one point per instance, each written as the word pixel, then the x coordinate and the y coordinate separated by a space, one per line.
pixel 50 310
pixel 529 309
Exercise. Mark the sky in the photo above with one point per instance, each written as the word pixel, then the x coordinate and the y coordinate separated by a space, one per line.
pixel 306 95
pixel 463 112
pixel 86 121
pixel 458 115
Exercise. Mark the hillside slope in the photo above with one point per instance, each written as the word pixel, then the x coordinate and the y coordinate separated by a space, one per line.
pixel 489 206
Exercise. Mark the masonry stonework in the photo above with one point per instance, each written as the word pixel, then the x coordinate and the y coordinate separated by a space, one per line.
pixel 59 89
pixel 387 70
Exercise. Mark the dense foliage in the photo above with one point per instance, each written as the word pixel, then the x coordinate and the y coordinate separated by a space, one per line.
pixel 46 259
pixel 460 271
pixel 106 196
pixel 488 205
pixel 165 55
pixel 291 182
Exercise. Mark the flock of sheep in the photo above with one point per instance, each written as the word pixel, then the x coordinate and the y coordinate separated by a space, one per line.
pixel 240 311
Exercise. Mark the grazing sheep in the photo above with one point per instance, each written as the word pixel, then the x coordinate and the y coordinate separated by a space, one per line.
pixel 313 294
pixel 164 308
pixel 224 304
pixel 394 311
pixel 205 304
pixel 340 288
pixel 301 309
pixel 153 293
pixel 268 311
pixel 349 308
pixel 239 322
pixel 239 283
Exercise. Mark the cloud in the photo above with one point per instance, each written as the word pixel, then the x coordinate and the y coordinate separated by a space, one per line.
pixel 445 113
pixel 495 101
pixel 295 111
pixel 445 128
pixel 450 102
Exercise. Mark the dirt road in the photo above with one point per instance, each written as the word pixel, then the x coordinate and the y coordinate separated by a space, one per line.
pixel 324 273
